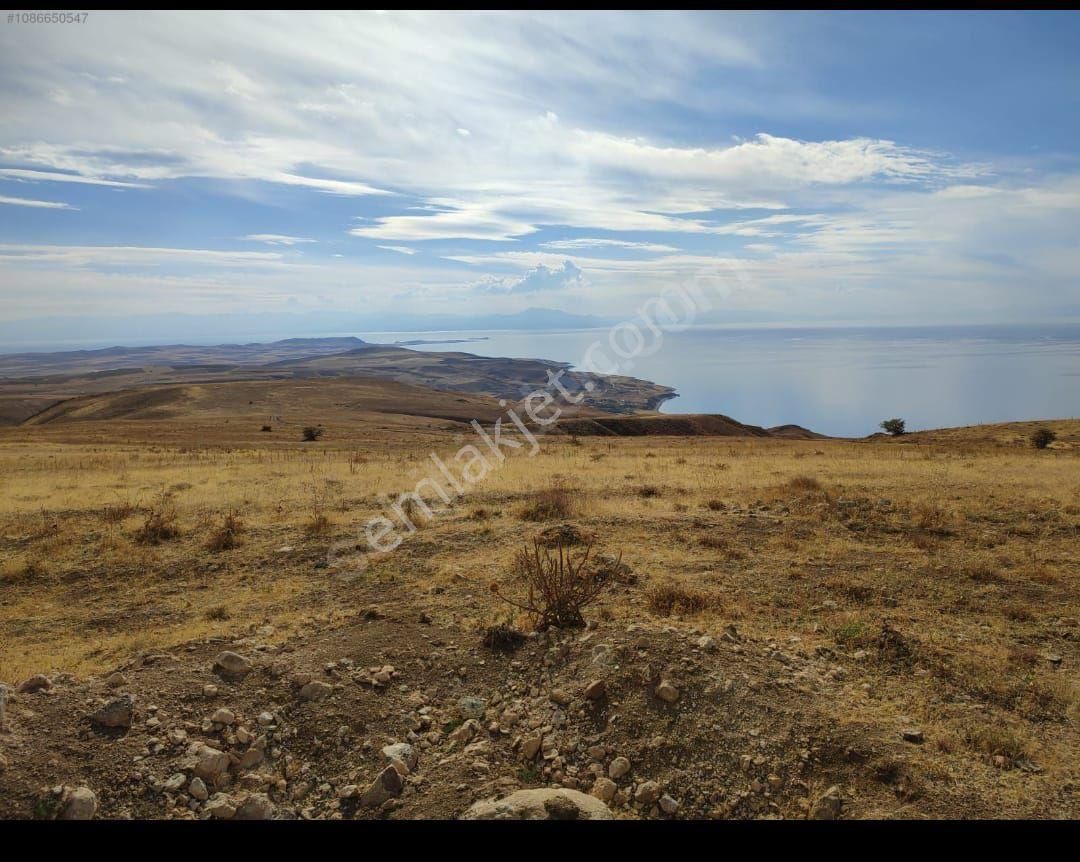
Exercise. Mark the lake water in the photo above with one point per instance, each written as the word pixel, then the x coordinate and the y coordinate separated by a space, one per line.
pixel 838 381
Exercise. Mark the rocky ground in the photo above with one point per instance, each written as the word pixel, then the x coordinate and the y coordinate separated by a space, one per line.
pixel 390 715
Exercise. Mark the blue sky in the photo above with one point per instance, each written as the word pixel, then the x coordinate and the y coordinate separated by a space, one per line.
pixel 879 167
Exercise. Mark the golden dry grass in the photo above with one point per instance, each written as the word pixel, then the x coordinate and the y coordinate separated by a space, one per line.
pixel 967 547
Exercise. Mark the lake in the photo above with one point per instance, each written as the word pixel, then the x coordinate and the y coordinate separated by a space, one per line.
pixel 838 381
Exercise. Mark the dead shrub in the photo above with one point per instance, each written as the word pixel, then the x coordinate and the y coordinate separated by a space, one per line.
pixel 312 433
pixel 227 535
pixel 161 522
pixel 647 492
pixel 558 586
pixel 220 613
pixel 609 568
pixel 670 597
pixel 716 505
pixel 565 534
pixel 551 504
pixel 805 485
pixel 717 543
pixel 116 512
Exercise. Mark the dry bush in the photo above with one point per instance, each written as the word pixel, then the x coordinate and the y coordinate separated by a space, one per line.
pixel 312 433
pixel 648 491
pixel 566 535
pixel 227 535
pixel 716 505
pixel 551 504
pixel 161 522
pixel 717 543
pixel 220 613
pixel 114 513
pixel 997 739
pixel 558 586
pixel 804 485
pixel 670 598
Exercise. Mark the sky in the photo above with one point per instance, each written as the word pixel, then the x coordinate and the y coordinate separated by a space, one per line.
pixel 826 166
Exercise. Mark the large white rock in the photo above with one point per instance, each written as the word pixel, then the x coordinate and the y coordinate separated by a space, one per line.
pixel 541 804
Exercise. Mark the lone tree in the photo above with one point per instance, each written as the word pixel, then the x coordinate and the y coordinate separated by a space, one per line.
pixel 312 433
pixel 893 426
pixel 1043 438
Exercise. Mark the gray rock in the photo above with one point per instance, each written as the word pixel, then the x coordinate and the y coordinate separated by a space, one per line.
pixel 197 789
pixel 232 666
pixel 472 707
pixel 667 692
pixel 256 807
pixel 211 763
pixel 79 803
pixel 220 807
pixel 116 680
pixel 38 682
pixel 541 804
pixel 619 767
pixel 595 690
pixel 387 785
pixel 913 735
pixel 668 804
pixel 401 752
pixel 604 789
pixel 648 793
pixel 117 713
pixel 316 690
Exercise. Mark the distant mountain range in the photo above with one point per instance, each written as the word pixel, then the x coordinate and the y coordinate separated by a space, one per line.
pixel 57 333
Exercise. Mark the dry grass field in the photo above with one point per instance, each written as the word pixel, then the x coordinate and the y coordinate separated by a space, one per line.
pixel 935 576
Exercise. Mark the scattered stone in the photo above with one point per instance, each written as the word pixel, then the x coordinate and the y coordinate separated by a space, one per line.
pixel 116 680
pixel 403 753
pixel 604 789
pixel 619 767
pixel 78 803
pixel 667 692
pixel 256 807
pixel 211 763
pixel 316 690
pixel 668 804
pixel 913 735
pixel 386 786
pixel 223 716
pixel 471 707
pixel 561 697
pixel 197 789
pixel 175 782
pixel 209 690
pixel 38 682
pixel 648 793
pixel 595 690
pixel 220 807
pixel 232 666
pixel 542 804
pixel 531 745
pixel 117 713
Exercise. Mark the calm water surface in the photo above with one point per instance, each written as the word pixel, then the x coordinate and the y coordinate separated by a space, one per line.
pixel 836 381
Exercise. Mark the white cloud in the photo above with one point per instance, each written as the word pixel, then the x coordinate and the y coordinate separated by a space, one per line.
pixel 593 242
pixel 29 202
pixel 277 239
pixel 54 177
pixel 400 249
pixel 537 280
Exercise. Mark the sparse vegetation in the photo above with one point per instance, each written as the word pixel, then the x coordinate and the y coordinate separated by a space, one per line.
pixel 227 535
pixel 669 598
pixel 551 504
pixel 160 524
pixel 895 427
pixel 558 587
pixel 312 433
pixel 1042 438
